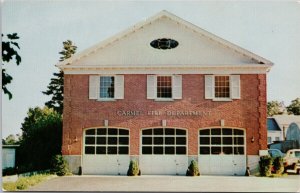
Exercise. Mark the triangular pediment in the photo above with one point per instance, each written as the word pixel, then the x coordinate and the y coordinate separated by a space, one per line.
pixel 131 48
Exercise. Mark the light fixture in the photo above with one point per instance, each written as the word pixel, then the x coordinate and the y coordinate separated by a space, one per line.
pixel 252 139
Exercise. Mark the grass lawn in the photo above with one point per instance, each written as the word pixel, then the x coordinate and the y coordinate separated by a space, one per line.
pixel 25 182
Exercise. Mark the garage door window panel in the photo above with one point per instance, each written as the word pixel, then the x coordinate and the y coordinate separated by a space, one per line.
pixel 110 141
pixel 101 150
pixel 101 140
pixel 170 150
pixel 147 150
pixel 169 131
pixel 89 150
pixel 227 140
pixel 170 140
pixel 180 150
pixel 90 140
pixel 205 150
pixel 123 132
pixel 180 140
pixel 101 131
pixel 239 151
pixel 123 141
pixel 123 150
pixel 221 141
pixel 227 150
pixel 90 132
pixel 158 150
pixel 167 141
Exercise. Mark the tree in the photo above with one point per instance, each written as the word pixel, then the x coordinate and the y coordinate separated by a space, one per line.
pixel 8 53
pixel 42 138
pixel 275 108
pixel 294 107
pixel 56 85
pixel 11 140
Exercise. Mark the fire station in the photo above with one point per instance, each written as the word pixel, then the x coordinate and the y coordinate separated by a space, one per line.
pixel 164 92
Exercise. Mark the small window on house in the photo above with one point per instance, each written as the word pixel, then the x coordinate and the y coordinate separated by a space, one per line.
pixel 164 87
pixel 164 43
pixel 269 140
pixel 222 87
pixel 107 87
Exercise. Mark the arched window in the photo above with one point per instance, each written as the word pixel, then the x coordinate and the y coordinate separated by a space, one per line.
pixel 113 141
pixel 216 141
pixel 167 141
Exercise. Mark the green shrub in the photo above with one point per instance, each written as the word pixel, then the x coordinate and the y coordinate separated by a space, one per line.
pixel 193 169
pixel 278 165
pixel 265 165
pixel 60 165
pixel 133 169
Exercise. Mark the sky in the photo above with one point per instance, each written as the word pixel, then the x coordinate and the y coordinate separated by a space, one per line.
pixel 270 29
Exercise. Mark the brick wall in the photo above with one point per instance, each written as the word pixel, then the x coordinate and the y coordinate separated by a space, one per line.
pixel 249 112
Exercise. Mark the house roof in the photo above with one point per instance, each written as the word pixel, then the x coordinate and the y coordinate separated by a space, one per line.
pixel 286 120
pixel 272 125
pixel 74 61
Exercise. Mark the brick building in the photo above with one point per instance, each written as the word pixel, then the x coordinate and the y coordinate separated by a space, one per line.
pixel 164 92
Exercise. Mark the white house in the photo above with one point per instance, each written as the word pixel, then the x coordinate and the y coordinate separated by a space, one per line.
pixel 9 156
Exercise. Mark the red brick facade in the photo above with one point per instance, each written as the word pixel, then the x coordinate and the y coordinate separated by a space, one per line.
pixel 80 112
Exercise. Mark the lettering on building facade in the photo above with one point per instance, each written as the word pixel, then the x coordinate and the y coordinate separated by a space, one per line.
pixel 160 113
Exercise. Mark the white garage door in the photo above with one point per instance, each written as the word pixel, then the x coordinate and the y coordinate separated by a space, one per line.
pixel 222 151
pixel 106 151
pixel 163 151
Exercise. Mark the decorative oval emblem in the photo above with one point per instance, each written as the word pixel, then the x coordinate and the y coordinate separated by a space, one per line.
pixel 164 43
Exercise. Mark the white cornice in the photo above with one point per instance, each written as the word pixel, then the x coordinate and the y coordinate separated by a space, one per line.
pixel 167 70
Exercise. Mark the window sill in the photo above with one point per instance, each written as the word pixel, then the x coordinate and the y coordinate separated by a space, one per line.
pixel 106 100
pixel 163 100
pixel 222 99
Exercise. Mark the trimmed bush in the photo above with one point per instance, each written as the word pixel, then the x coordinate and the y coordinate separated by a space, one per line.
pixel 193 169
pixel 133 169
pixel 278 165
pixel 265 165
pixel 60 165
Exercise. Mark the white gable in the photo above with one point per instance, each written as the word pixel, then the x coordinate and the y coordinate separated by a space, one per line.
pixel 197 48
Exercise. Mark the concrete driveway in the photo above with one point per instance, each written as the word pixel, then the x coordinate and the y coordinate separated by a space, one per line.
pixel 171 183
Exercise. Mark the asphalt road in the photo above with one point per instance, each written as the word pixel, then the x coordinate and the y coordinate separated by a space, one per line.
pixel 171 183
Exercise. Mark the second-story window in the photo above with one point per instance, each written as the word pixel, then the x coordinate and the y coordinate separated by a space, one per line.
pixel 164 86
pixel 107 87
pixel 222 89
